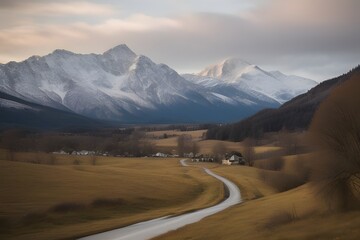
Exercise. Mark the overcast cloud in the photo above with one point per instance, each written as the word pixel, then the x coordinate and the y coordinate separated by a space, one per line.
pixel 312 38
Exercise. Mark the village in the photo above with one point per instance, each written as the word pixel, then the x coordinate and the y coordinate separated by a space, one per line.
pixel 232 158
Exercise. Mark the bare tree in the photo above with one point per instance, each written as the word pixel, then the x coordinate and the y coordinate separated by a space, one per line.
pixel 288 142
pixel 184 144
pixel 219 150
pixel 195 148
pixel 336 130
pixel 249 151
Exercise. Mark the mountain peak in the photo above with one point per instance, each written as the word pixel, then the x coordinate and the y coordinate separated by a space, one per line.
pixel 228 67
pixel 120 49
pixel 62 52
pixel 235 61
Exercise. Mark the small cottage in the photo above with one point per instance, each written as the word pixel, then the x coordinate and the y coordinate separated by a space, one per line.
pixel 234 158
pixel 159 154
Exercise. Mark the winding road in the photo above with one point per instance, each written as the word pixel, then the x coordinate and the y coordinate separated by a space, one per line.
pixel 158 226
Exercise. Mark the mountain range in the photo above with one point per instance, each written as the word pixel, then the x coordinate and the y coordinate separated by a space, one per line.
pixel 295 114
pixel 124 87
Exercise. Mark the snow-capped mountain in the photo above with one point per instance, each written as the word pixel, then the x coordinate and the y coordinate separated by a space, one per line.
pixel 252 79
pixel 123 86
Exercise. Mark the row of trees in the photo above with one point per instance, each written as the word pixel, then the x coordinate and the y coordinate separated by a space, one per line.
pixel 185 144
pixel 118 143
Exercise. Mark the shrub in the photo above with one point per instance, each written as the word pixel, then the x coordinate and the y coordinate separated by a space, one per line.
pixel 107 202
pixel 281 218
pixel 275 164
pixel 280 180
pixel 33 218
pixel 67 207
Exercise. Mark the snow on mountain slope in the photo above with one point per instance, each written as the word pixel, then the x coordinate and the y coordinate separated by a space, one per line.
pixel 101 86
pixel 254 80
pixel 120 85
pixel 232 91
pixel 123 86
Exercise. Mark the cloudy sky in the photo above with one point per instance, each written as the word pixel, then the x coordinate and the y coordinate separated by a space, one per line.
pixel 313 38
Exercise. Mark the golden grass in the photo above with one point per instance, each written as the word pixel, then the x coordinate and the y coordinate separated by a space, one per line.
pixel 207 146
pixel 250 220
pixel 266 149
pixel 148 188
pixel 170 144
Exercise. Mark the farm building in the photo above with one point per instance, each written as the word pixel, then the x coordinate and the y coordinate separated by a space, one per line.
pixel 159 154
pixel 234 158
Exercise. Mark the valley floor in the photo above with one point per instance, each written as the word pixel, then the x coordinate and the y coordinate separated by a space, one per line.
pixel 63 200
pixel 66 199
pixel 265 214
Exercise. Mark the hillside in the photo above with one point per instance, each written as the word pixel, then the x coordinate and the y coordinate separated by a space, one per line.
pixel 15 112
pixel 61 201
pixel 294 114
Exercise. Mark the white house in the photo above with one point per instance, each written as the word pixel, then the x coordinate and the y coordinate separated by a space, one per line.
pixel 234 159
pixel 159 154
pixel 189 155
pixel 62 152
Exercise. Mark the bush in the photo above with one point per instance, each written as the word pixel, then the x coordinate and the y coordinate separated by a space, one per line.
pixel 33 218
pixel 106 202
pixel 281 218
pixel 275 164
pixel 281 181
pixel 68 207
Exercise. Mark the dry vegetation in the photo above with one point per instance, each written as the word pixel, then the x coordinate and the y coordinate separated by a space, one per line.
pixel 292 194
pixel 267 214
pixel 283 192
pixel 63 200
pixel 336 131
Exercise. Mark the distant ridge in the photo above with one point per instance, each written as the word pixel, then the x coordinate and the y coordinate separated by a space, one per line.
pixel 18 113
pixel 295 114
pixel 249 78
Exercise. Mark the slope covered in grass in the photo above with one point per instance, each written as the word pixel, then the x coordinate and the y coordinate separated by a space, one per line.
pixel 39 201
pixel 266 214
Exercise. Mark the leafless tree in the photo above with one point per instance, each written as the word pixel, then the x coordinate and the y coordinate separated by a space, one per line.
pixel 249 151
pixel 288 142
pixel 336 130
pixel 219 150
pixel 195 148
pixel 184 144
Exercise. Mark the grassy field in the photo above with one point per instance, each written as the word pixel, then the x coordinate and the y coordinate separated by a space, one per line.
pixel 169 144
pixel 266 214
pixel 207 146
pixel 62 200
pixel 68 196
